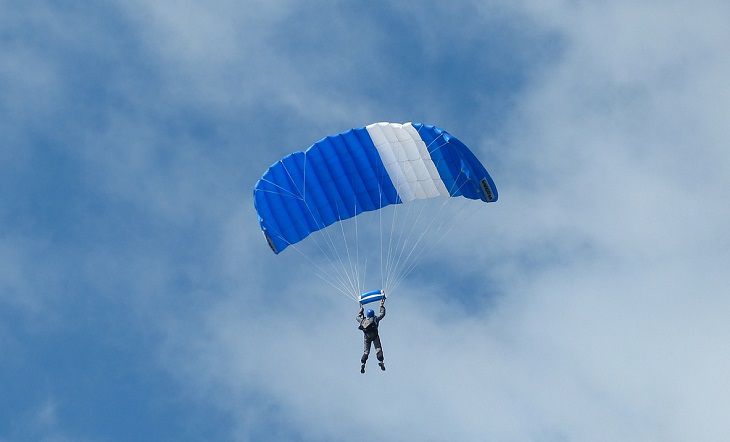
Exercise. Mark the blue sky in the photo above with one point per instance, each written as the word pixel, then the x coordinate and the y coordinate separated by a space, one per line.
pixel 138 300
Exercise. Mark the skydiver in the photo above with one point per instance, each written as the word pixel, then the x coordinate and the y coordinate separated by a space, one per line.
pixel 369 326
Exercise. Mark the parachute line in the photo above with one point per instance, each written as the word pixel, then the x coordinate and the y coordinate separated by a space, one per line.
pixel 319 269
pixel 380 222
pixel 285 190
pixel 427 230
pixel 449 220
pixel 338 274
pixel 347 247
pixel 357 253
pixel 430 247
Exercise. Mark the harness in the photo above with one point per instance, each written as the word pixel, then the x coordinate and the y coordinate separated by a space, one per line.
pixel 369 326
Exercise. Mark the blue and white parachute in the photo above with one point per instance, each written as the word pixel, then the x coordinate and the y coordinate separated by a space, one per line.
pixel 364 169
pixel 343 176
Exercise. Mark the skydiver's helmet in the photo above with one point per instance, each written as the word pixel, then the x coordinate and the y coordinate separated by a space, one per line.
pixel 370 313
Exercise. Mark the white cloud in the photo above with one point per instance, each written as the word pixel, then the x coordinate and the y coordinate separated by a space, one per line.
pixel 616 151
pixel 606 251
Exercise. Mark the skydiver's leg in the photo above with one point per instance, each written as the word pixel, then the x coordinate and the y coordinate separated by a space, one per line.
pixel 378 348
pixel 366 351
pixel 365 354
pixel 379 352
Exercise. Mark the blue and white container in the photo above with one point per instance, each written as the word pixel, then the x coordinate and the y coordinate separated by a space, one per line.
pixel 374 296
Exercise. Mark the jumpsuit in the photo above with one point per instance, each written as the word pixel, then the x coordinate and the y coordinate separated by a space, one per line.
pixel 369 326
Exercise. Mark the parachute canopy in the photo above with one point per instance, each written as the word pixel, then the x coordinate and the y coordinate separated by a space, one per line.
pixel 364 169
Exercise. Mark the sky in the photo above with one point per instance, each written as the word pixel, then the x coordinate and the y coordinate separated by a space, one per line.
pixel 139 301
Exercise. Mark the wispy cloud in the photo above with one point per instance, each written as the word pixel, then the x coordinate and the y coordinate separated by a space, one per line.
pixel 594 304
pixel 607 245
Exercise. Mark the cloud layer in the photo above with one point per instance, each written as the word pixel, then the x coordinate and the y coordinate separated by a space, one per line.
pixel 592 303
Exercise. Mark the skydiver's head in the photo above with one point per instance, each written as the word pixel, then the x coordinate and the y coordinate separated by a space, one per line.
pixel 370 313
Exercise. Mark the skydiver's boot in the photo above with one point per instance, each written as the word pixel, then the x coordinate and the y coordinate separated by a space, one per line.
pixel 382 365
pixel 362 368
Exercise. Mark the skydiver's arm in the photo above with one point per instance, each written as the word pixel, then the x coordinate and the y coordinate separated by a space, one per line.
pixel 381 314
pixel 360 315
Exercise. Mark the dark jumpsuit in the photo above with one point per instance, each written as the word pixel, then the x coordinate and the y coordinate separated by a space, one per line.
pixel 371 333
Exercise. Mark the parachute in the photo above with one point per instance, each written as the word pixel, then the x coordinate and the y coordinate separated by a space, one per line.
pixel 362 170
